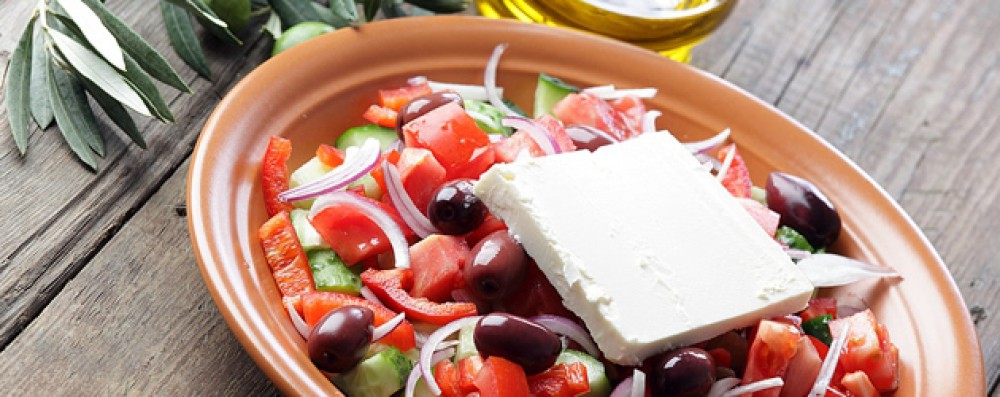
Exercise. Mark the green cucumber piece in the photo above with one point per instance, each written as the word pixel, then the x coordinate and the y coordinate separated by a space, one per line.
pixel 600 386
pixel 549 91
pixel 372 190
pixel 494 124
pixel 331 274
pixel 308 172
pixel 466 344
pixel 308 236
pixel 355 136
pixel 380 375
pixel 819 327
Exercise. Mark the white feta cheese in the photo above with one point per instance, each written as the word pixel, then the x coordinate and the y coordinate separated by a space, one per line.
pixel 644 245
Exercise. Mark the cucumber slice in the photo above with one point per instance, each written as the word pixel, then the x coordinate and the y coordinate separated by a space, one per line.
pixel 372 190
pixel 599 384
pixel 380 375
pixel 308 236
pixel 308 172
pixel 466 344
pixel 330 273
pixel 549 91
pixel 355 136
pixel 491 120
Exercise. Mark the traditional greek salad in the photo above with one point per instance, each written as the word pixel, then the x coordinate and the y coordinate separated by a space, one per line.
pixel 402 281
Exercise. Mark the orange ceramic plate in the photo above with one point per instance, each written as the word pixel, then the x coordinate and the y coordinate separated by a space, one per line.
pixel 317 89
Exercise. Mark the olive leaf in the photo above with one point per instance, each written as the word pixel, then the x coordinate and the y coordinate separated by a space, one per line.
pixel 183 38
pixel 345 12
pixel 19 88
pixel 117 113
pixel 443 6
pixel 41 109
pixel 371 9
pixel 273 25
pixel 148 58
pixel 93 68
pixel 94 31
pixel 75 123
pixel 143 84
pixel 215 25
pixel 294 12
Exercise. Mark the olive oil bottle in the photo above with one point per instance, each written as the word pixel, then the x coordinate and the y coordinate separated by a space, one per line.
pixel 670 27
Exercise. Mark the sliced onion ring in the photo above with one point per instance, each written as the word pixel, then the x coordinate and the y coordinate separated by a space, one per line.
pixel 708 144
pixel 755 387
pixel 721 386
pixel 541 136
pixel 490 80
pixel 369 295
pixel 411 381
pixel 417 80
pixel 382 330
pixel 829 365
pixel 649 121
pixel 638 383
pixel 592 131
pixel 402 201
pixel 427 353
pixel 569 328
pixel 400 248
pixel 297 320
pixel 624 389
pixel 724 169
pixel 357 163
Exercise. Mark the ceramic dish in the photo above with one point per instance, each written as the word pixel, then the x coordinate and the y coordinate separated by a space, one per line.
pixel 317 89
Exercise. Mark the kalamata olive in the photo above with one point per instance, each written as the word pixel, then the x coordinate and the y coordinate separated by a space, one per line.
pixel 496 266
pixel 803 207
pixel 584 139
pixel 454 209
pixel 685 372
pixel 519 340
pixel 341 338
pixel 420 105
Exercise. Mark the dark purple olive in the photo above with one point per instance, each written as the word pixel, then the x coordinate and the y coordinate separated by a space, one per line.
pixel 454 209
pixel 495 267
pixel 420 105
pixel 584 139
pixel 341 338
pixel 804 208
pixel 685 372
pixel 519 340
pixel 734 344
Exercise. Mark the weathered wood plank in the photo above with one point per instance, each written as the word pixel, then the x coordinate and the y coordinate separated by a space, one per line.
pixel 137 320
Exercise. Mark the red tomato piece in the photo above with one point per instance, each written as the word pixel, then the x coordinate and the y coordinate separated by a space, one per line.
pixel 632 110
pixel 536 296
pixel 436 262
pixel 508 149
pixel 446 376
pixel 490 225
pixel 821 348
pixel 450 134
pixel 770 353
pixel 869 349
pixel 274 174
pixel 562 380
pixel 421 174
pixel 858 385
pixel 818 307
pixel 390 287
pixel 501 378
pixel 395 98
pixel 315 305
pixel 468 370
pixel 737 178
pixel 380 115
pixel 767 219
pixel 482 159
pixel 288 262
pixel 329 155
pixel 589 110
pixel 378 175
pixel 802 370
pixel 351 234
pixel 556 129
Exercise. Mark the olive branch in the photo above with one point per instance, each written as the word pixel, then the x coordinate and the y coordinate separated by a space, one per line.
pixel 72 48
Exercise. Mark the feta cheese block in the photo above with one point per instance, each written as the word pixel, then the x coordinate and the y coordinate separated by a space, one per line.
pixel 644 245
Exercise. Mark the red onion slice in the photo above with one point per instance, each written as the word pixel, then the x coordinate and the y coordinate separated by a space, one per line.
pixel 610 92
pixel 725 165
pixel 569 328
pixel 541 136
pixel 387 327
pixel 369 295
pixel 411 381
pixel 649 121
pixel 400 247
pixel 638 383
pixel 592 131
pixel 755 387
pixel 427 353
pixel 721 386
pixel 708 144
pixel 490 81
pixel 402 201
pixel 357 163
pixel 832 270
pixel 297 320
pixel 624 389
pixel 829 365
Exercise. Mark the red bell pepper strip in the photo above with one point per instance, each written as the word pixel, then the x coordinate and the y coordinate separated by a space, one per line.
pixel 329 155
pixel 501 378
pixel 274 174
pixel 446 376
pixel 315 305
pixel 391 287
pixel 562 380
pixel 468 370
pixel 288 262
pixel 395 98
pixel 382 116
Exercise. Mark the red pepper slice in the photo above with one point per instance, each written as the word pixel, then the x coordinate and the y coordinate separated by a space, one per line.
pixel 329 155
pixel 315 305
pixel 468 370
pixel 446 376
pixel 395 98
pixel 501 378
pixel 382 116
pixel 562 380
pixel 274 174
pixel 285 256
pixel 391 287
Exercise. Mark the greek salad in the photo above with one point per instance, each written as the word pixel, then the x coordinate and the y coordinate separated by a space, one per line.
pixel 402 282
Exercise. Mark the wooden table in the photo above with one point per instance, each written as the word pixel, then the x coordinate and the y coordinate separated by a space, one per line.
pixel 100 293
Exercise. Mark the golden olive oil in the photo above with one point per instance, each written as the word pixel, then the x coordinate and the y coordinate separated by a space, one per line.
pixel 670 27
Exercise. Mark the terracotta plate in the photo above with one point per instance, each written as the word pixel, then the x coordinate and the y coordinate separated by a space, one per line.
pixel 318 89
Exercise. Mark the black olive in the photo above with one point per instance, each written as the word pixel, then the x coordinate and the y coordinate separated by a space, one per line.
pixel 803 207
pixel 341 338
pixel 454 209
pixel 519 340
pixel 496 266
pixel 685 372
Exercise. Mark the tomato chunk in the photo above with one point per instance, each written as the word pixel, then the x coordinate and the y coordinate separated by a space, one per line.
pixel 468 370
pixel 395 98
pixel 868 349
pixel 802 370
pixel 289 263
pixel 589 110
pixel 737 178
pixel 446 376
pixel 315 305
pixel 818 307
pixel 421 175
pixel 767 219
pixel 632 110
pixel 382 116
pixel 562 380
pixel 274 174
pixel 436 262
pixel 391 287
pixel 858 384
pixel 501 378
pixel 450 134
pixel 770 353
pixel 351 234
pixel 490 225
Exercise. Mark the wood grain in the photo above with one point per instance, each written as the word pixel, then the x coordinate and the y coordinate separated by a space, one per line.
pixel 99 292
